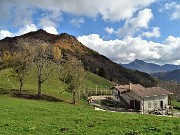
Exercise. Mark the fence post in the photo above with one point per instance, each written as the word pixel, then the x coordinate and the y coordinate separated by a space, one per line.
pixel 96 90
pixel 79 94
pixel 109 90
pixel 88 92
pixel 101 89
pixel 84 90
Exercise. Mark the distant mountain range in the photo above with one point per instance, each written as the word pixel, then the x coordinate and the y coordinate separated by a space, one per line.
pixel 150 67
pixel 92 61
pixel 170 75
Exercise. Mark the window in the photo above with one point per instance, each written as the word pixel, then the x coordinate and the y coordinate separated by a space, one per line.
pixel 149 104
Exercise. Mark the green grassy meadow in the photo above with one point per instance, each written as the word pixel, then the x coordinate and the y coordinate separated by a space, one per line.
pixel 19 116
pixel 23 116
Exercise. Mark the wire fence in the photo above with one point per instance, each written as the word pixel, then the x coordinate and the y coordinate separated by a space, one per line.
pixel 93 90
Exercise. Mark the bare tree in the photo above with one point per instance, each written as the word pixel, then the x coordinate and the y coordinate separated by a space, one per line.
pixel 72 73
pixel 42 56
pixel 20 64
pixel 43 60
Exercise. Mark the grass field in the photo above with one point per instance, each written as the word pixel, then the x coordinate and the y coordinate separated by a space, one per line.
pixel 41 117
pixel 176 104
pixel 22 116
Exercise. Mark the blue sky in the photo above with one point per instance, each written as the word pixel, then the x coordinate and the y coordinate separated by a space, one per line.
pixel 122 30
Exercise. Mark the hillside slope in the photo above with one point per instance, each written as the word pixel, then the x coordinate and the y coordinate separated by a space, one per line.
pixel 52 87
pixel 171 75
pixel 92 61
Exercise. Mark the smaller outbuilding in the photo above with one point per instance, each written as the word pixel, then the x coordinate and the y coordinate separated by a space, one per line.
pixel 139 98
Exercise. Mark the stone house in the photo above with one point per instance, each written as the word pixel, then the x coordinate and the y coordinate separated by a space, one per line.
pixel 139 98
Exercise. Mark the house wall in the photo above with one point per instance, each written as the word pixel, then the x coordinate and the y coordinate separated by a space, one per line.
pixel 153 103
pixel 127 96
pixel 114 93
pixel 131 96
pixel 147 104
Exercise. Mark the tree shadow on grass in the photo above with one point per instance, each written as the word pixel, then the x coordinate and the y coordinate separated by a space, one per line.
pixel 36 97
pixel 9 91
pixel 28 94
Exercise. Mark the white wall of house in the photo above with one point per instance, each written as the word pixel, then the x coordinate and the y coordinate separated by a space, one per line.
pixel 153 103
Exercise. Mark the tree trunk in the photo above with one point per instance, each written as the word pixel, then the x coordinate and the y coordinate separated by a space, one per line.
pixel 21 85
pixel 39 80
pixel 39 88
pixel 74 100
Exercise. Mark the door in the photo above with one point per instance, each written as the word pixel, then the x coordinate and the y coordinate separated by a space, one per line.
pixel 137 105
pixel 161 104
pixel 134 104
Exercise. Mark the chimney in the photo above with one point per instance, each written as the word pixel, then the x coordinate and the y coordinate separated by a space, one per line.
pixel 129 85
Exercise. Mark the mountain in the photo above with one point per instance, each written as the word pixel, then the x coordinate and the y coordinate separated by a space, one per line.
pixel 171 75
pixel 93 61
pixel 150 67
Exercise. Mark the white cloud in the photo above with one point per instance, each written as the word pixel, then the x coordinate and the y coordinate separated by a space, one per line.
pixel 16 12
pixel 133 25
pixel 142 19
pixel 50 19
pixel 172 41
pixel 23 30
pixel 109 30
pixel 49 23
pixel 168 6
pixel 51 30
pixel 109 10
pixel 46 22
pixel 128 49
pixel 176 13
pixel 174 9
pixel 4 33
pixel 154 33
pixel 77 22
pixel 115 10
pixel 26 29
